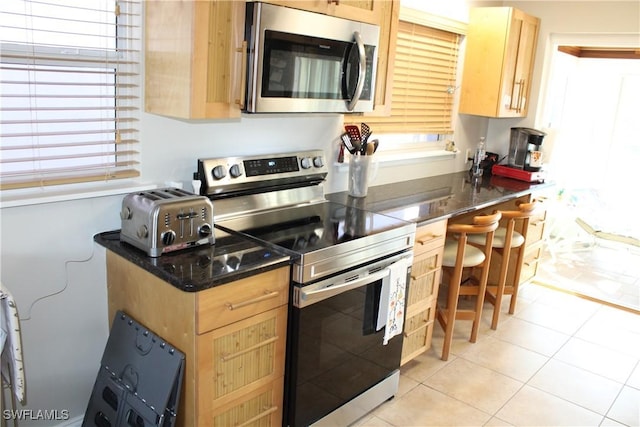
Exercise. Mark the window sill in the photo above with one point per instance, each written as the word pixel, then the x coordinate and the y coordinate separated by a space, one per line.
pixel 395 156
pixel 42 196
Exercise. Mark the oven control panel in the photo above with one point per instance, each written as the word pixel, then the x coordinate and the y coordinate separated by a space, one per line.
pixel 231 174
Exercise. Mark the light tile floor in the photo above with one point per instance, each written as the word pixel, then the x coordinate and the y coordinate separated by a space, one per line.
pixel 598 268
pixel 560 360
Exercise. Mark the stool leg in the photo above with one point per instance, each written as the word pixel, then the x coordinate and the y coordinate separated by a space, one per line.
pixel 516 281
pixel 504 267
pixel 447 318
pixel 482 288
pixel 452 307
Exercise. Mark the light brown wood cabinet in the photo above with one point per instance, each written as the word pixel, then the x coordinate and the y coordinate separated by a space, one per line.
pixel 370 11
pixel 423 289
pixel 194 58
pixel 498 64
pixel 233 337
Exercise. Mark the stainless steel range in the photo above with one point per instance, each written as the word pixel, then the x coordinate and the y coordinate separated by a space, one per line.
pixel 348 277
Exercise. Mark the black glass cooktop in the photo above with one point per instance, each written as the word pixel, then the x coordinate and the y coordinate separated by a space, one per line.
pixel 313 227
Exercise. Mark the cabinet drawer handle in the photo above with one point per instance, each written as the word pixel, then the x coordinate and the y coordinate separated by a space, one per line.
pixel 267 295
pixel 418 329
pixel 429 272
pixel 536 223
pixel 262 414
pixel 429 238
pixel 227 357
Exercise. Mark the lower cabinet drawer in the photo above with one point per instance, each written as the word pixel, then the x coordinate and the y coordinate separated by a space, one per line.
pixel 425 277
pixel 241 299
pixel 261 407
pixel 530 263
pixel 429 237
pixel 418 329
pixel 535 231
pixel 241 357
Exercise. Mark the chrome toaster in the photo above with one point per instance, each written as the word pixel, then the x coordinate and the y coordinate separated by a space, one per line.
pixel 167 219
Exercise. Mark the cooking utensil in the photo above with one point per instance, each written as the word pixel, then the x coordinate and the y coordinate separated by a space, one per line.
pixel 370 149
pixel 365 132
pixel 374 143
pixel 354 133
pixel 363 148
pixel 348 143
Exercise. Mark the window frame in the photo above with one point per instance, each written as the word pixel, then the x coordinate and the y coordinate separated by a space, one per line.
pixel 419 141
pixel 123 55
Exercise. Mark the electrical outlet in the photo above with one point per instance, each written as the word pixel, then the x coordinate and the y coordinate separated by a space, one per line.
pixel 468 156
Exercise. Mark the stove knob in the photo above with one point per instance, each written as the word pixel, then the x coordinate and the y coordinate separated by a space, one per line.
pixel 168 237
pixel 203 261
pixel 142 232
pixel 235 171
pixel 305 162
pixel 219 172
pixel 317 162
pixel 233 262
pixel 204 230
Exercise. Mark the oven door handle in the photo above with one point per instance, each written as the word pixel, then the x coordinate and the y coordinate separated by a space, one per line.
pixel 313 296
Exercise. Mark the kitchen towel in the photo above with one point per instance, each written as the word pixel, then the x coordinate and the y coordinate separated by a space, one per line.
pixel 12 370
pixel 392 300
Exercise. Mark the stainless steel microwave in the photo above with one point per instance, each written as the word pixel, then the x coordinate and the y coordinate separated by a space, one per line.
pixel 305 62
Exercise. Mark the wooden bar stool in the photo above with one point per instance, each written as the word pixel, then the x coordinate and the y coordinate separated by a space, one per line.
pixel 505 241
pixel 458 256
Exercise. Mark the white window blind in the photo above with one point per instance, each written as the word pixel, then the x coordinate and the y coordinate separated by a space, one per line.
pixel 69 96
pixel 424 76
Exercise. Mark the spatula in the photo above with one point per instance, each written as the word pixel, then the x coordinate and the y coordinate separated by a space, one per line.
pixel 348 143
pixel 365 132
pixel 354 133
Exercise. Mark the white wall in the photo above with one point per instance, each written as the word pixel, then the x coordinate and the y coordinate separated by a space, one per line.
pixel 57 274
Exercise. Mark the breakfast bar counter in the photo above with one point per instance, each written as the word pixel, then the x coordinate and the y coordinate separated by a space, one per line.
pixel 431 199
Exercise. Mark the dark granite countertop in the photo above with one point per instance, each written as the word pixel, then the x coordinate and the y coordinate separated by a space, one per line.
pixel 231 258
pixel 434 198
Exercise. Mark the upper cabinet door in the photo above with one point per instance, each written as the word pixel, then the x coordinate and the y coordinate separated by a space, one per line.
pixel 194 58
pixel 498 64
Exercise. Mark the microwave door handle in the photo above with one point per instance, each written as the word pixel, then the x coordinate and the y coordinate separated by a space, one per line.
pixel 361 72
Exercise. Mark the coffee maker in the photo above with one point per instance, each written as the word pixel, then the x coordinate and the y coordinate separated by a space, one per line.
pixel 524 149
pixel 525 157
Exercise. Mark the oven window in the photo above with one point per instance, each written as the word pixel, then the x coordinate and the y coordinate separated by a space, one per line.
pixel 336 353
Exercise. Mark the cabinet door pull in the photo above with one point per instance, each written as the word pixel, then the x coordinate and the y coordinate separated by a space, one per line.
pixel 520 96
pixel 427 273
pixel 262 414
pixel 227 357
pixel 243 74
pixel 425 322
pixel 267 295
pixel 429 238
